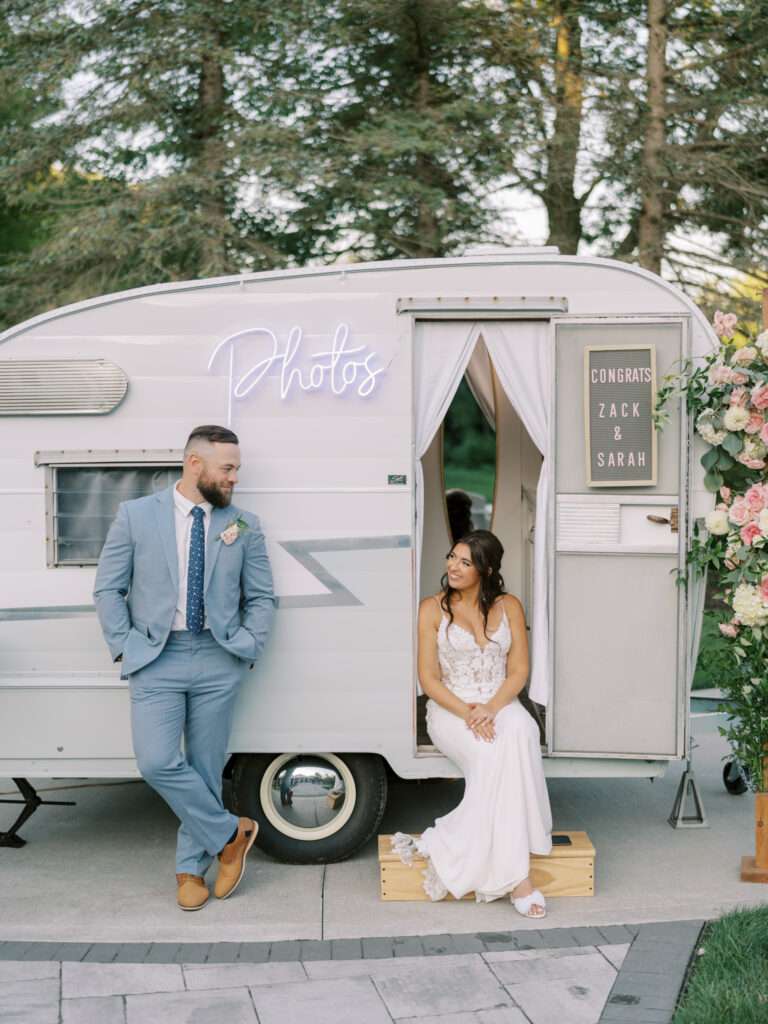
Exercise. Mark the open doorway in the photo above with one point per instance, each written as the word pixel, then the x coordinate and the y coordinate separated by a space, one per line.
pixel 483 450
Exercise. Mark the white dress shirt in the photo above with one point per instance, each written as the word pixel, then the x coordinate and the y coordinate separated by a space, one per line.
pixel 182 512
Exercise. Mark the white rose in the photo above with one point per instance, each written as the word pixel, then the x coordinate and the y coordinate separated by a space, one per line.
pixel 744 356
pixel 762 343
pixel 706 429
pixel 748 606
pixel 717 522
pixel 735 418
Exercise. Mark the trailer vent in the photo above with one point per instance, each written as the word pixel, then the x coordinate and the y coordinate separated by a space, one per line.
pixel 60 387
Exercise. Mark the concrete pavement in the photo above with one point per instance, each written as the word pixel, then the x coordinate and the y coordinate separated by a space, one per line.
pixel 496 979
pixel 103 871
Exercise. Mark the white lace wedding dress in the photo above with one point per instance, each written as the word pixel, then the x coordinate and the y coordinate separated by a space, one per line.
pixel 483 845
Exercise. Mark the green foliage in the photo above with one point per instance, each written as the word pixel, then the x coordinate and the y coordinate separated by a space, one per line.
pixel 729 982
pixel 469 445
pixel 715 661
pixel 159 140
pixel 151 123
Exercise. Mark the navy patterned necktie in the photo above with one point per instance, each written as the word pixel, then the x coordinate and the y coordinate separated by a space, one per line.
pixel 196 572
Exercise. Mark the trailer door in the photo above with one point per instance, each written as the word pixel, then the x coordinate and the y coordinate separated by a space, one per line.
pixel 617 644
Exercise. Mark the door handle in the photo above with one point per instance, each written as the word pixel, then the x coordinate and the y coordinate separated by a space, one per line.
pixel 673 521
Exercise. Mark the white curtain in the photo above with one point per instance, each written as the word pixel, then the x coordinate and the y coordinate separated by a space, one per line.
pixel 480 380
pixel 442 353
pixel 519 351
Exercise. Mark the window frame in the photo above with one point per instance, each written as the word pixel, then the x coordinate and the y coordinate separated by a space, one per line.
pixel 52 461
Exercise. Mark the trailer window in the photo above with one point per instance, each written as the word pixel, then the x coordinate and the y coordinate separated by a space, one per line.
pixel 82 499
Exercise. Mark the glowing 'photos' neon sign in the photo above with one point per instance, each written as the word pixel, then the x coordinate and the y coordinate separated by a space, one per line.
pixel 335 368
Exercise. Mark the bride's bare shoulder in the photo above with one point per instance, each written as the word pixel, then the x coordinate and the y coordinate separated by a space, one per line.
pixel 513 605
pixel 430 609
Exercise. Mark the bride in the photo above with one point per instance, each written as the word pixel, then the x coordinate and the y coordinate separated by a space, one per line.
pixel 473 663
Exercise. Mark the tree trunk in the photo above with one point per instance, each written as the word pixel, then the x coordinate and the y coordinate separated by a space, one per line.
pixel 428 242
pixel 651 225
pixel 559 194
pixel 210 163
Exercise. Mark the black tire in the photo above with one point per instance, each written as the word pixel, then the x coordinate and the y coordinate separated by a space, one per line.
pixel 256 793
pixel 734 778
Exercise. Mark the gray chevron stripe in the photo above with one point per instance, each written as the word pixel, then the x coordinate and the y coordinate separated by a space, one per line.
pixel 338 595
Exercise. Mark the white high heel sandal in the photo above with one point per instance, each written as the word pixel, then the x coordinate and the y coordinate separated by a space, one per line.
pixel 524 904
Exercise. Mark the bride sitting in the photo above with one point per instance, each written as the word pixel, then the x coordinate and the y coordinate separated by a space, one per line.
pixel 473 663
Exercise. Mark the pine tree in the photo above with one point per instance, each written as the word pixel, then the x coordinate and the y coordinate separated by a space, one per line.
pixel 159 131
pixel 403 132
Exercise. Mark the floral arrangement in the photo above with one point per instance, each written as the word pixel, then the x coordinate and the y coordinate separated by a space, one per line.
pixel 728 398
pixel 231 533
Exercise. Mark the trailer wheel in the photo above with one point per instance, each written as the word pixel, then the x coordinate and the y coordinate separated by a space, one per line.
pixel 735 778
pixel 311 808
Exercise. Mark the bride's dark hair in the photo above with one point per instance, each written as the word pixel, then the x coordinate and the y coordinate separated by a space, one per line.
pixel 486 552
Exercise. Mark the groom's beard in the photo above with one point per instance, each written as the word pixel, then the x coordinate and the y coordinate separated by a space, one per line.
pixel 211 491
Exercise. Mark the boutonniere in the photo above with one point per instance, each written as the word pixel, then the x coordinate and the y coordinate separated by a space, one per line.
pixel 233 531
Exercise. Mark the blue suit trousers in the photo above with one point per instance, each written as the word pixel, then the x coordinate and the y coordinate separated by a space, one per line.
pixel 188 693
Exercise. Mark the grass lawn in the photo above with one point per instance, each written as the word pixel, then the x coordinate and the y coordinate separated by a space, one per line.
pixel 470 478
pixel 729 981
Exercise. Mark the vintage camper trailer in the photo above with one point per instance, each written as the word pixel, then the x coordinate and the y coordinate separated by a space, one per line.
pixel 337 381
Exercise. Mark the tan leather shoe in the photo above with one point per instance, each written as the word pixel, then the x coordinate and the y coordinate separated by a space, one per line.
pixel 232 858
pixel 192 893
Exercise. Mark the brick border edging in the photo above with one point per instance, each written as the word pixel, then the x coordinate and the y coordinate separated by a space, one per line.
pixel 649 983
pixel 318 949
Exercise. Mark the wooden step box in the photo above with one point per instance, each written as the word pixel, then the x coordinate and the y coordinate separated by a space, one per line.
pixel 567 871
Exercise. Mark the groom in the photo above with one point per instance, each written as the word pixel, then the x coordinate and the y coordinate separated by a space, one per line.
pixel 184 596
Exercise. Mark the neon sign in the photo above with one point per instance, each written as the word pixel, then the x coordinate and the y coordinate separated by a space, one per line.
pixel 335 368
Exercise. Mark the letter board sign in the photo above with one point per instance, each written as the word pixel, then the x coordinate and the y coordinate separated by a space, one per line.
pixel 619 390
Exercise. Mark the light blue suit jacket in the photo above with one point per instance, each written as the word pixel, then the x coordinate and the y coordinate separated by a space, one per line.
pixel 137 582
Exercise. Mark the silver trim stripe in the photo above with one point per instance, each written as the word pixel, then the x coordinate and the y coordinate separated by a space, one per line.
pixel 54 611
pixel 338 595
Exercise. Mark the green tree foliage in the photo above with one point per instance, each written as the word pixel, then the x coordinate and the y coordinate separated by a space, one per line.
pixel 709 170
pixel 403 132
pixel 468 438
pixel 157 140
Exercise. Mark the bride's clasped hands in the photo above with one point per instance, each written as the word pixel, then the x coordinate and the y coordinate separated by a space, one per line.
pixel 479 719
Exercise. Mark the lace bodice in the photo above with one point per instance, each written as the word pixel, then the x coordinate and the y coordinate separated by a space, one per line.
pixel 472 672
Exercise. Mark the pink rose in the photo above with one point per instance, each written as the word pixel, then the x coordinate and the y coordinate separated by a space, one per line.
pixel 725 494
pixel 755 424
pixel 755 498
pixel 725 324
pixel 760 396
pixel 764 434
pixel 729 564
pixel 764 588
pixel 728 629
pixel 739 513
pixel 722 375
pixel 737 377
pixel 739 396
pixel 749 533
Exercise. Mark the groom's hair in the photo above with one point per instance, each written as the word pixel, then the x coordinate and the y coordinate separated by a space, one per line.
pixel 212 434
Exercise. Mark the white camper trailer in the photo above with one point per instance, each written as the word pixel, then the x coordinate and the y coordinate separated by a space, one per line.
pixel 337 381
